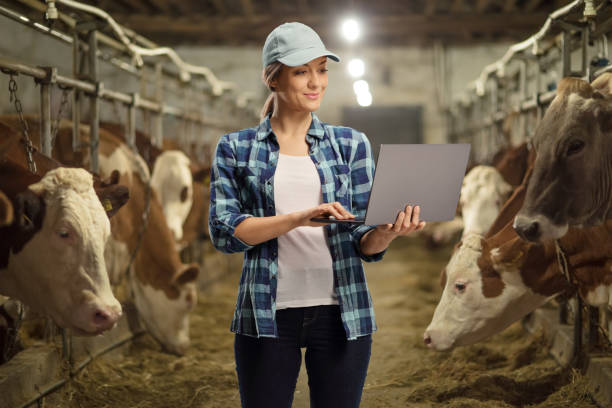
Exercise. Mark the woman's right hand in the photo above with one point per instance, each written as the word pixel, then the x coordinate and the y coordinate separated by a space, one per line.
pixel 334 209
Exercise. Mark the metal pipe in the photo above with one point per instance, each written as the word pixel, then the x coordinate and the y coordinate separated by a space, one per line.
pixel 532 41
pixel 45 119
pixel 131 124
pixel 76 95
pixel 94 103
pixel 108 94
pixel 157 136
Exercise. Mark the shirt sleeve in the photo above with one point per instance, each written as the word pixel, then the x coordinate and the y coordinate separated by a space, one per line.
pixel 225 207
pixel 362 176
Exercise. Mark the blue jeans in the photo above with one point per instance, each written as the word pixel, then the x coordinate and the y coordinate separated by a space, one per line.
pixel 268 368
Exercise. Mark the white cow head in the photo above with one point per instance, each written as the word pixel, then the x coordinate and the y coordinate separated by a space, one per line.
pixel 60 270
pixel 483 193
pixel 173 183
pixel 167 317
pixel 483 294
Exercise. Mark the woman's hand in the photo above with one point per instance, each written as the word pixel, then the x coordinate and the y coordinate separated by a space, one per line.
pixel 378 239
pixel 335 209
pixel 406 222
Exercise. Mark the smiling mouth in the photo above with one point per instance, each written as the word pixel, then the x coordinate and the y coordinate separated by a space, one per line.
pixel 312 95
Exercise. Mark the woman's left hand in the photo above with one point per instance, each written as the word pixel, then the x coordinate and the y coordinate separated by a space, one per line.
pixel 406 222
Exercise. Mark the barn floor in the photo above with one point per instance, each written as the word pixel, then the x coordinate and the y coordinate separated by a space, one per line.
pixel 513 369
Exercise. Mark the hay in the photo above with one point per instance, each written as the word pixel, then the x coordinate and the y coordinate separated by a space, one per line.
pixel 512 369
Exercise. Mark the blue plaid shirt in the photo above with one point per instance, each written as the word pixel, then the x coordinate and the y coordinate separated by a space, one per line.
pixel 242 186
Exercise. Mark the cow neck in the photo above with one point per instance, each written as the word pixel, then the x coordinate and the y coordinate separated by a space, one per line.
pixel 588 254
pixel 511 206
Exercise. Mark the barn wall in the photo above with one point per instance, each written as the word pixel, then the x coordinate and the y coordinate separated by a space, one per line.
pixel 397 76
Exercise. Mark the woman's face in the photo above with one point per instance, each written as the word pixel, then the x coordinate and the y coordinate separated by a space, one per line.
pixel 302 88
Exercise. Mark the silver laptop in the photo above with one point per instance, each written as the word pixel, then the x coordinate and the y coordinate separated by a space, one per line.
pixel 427 175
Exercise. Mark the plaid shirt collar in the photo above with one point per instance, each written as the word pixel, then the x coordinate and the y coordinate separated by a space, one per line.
pixel 315 130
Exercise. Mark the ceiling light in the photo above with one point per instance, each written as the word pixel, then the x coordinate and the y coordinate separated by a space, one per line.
pixel 364 99
pixel 361 86
pixel 350 29
pixel 356 67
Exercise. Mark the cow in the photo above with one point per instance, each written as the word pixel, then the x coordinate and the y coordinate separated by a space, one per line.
pixel 163 288
pixel 572 178
pixel 173 177
pixel 55 242
pixel 484 190
pixel 492 281
pixel 6 210
pixel 483 193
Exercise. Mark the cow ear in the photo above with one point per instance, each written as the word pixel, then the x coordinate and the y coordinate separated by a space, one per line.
pixel 510 253
pixel 6 210
pixel 603 83
pixel 113 197
pixel 201 174
pixel 113 179
pixel 29 210
pixel 188 273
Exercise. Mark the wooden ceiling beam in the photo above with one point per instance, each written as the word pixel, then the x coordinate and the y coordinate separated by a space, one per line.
pixel 236 29
pixel 457 6
pixel 220 6
pixel 160 6
pixel 430 7
pixel 247 8
pixel 532 5
pixel 481 5
pixel 509 6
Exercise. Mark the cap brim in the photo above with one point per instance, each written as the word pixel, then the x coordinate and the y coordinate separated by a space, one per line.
pixel 305 56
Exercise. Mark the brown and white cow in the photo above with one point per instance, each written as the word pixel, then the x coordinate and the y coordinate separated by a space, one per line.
pixel 163 288
pixel 173 177
pixel 572 178
pixel 493 281
pixel 6 210
pixel 483 193
pixel 52 253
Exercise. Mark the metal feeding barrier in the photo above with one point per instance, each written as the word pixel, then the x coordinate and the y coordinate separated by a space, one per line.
pixel 202 93
pixel 502 91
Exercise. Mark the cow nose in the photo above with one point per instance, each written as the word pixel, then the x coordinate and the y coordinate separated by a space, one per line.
pixel 427 339
pixel 105 319
pixel 526 229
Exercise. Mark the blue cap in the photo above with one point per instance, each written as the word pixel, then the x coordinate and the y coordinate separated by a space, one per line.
pixel 294 44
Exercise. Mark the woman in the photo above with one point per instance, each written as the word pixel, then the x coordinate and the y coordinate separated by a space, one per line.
pixel 303 284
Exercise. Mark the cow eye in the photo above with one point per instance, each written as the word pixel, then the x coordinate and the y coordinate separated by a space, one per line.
pixel 460 286
pixel 64 234
pixel 575 147
pixel 184 193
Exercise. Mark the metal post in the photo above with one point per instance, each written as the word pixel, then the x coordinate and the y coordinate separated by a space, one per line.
pixel 566 54
pixel 45 118
pixel 131 122
pixel 578 328
pixel 593 326
pixel 76 94
pixel 157 137
pixel 94 119
pixel 523 98
pixel 586 67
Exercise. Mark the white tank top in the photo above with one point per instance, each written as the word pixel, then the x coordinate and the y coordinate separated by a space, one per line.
pixel 305 274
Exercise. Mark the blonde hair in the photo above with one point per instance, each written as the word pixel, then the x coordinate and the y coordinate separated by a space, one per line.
pixel 269 74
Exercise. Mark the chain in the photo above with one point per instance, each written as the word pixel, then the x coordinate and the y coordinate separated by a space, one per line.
pixel 24 125
pixel 55 127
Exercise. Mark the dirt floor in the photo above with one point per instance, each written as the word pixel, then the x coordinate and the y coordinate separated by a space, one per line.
pixel 512 369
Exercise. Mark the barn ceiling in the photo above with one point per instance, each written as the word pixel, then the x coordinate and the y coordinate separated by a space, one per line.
pixel 385 22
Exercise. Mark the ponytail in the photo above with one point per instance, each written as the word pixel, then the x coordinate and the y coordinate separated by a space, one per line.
pixel 269 74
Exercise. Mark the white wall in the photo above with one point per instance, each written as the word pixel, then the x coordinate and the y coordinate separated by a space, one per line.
pixel 397 76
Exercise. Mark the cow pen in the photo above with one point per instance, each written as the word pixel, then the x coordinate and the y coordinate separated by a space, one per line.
pixel 505 103
pixel 172 101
